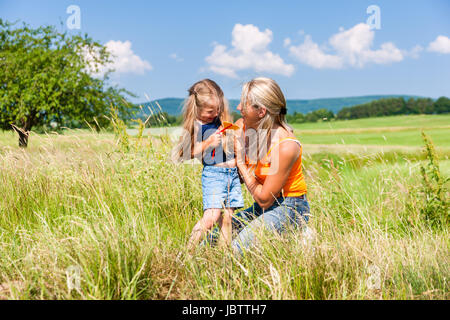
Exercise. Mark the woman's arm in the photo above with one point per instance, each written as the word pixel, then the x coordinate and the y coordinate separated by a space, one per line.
pixel 283 158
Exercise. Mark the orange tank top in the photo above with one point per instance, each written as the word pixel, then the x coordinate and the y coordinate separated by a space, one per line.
pixel 295 185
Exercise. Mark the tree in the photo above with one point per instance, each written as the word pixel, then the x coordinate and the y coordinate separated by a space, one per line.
pixel 299 117
pixel 411 107
pixel 424 105
pixel 395 106
pixel 46 76
pixel 296 117
pixel 442 105
pixel 311 117
pixel 324 114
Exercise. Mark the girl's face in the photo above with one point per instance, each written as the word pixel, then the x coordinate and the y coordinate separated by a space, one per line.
pixel 208 113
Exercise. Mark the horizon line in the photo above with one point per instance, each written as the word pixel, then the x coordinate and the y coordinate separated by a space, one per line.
pixel 343 97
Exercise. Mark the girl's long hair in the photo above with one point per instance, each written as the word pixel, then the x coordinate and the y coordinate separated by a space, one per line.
pixel 264 92
pixel 203 92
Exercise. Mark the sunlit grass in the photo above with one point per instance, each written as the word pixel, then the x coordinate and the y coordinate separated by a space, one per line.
pixel 122 218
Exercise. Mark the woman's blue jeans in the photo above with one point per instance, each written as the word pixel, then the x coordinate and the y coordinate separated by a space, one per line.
pixel 284 212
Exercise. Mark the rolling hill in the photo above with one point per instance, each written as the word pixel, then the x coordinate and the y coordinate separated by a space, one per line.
pixel 173 106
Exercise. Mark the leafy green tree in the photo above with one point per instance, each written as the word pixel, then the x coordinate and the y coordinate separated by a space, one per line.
pixel 425 105
pixel 299 117
pixel 311 117
pixel 319 114
pixel 296 117
pixel 411 107
pixel 46 77
pixel 442 105
pixel 324 114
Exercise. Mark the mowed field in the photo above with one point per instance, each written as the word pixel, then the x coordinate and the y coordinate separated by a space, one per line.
pixel 99 216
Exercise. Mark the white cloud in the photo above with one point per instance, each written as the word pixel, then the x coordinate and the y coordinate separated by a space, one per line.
pixel 175 57
pixel 440 45
pixel 351 48
pixel 309 53
pixel 414 52
pixel 123 60
pixel 249 51
pixel 287 42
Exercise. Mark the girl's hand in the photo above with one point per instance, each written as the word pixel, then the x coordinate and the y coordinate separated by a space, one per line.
pixel 215 139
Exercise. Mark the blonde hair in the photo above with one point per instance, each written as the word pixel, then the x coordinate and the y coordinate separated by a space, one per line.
pixel 201 93
pixel 265 92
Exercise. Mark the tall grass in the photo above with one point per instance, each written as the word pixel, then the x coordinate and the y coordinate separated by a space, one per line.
pixel 121 216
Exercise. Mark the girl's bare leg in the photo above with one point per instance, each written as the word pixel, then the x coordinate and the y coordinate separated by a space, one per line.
pixel 225 228
pixel 210 217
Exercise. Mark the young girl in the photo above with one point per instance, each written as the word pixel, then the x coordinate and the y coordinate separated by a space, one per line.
pixel 204 111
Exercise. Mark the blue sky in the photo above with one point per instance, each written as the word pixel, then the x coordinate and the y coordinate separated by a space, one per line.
pixel 313 49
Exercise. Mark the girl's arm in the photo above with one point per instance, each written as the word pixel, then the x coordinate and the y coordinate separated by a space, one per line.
pixel 213 141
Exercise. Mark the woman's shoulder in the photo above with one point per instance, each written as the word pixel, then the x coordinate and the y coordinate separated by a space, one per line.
pixel 284 134
pixel 287 145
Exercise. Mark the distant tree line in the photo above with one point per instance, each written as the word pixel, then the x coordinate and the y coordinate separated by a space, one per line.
pixel 395 106
pixel 312 116
pixel 377 108
pixel 163 119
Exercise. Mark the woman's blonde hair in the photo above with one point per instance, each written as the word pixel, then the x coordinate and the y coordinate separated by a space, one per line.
pixel 265 92
pixel 201 93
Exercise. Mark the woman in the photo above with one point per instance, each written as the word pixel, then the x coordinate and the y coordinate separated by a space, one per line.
pixel 269 160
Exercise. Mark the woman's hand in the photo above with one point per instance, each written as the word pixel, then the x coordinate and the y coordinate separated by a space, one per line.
pixel 239 147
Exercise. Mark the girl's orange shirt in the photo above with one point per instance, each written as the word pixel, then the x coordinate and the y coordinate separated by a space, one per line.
pixel 295 185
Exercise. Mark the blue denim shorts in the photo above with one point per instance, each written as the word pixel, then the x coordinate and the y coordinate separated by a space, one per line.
pixel 221 188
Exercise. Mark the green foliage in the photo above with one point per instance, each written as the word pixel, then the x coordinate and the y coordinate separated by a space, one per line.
pixel 395 106
pixel 313 116
pixel 236 115
pixel 435 207
pixel 296 117
pixel 378 108
pixel 163 119
pixel 442 105
pixel 47 78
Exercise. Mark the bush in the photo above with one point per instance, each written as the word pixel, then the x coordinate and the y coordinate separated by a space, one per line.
pixel 435 205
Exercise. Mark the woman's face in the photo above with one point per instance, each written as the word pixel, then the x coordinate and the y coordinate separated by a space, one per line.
pixel 251 115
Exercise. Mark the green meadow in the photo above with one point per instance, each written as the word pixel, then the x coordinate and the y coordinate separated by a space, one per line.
pixel 387 131
pixel 86 215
